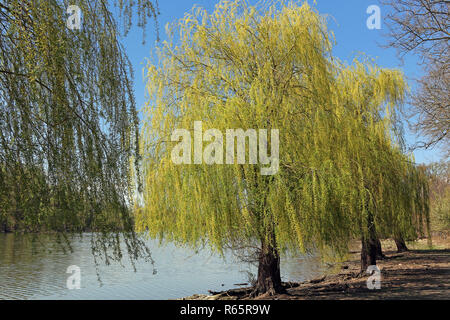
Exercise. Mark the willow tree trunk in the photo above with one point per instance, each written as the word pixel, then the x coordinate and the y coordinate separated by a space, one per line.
pixel 368 253
pixel 380 254
pixel 369 245
pixel 401 245
pixel 269 277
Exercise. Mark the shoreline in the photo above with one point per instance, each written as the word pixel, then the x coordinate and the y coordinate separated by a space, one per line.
pixel 420 273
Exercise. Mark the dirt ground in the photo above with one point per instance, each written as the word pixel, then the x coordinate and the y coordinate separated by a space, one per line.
pixel 421 273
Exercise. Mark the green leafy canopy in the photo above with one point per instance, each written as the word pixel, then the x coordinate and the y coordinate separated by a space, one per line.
pixel 271 67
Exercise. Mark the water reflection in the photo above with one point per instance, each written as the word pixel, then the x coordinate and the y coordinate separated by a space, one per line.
pixel 35 268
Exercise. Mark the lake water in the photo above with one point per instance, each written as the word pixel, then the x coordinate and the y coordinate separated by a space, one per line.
pixel 27 273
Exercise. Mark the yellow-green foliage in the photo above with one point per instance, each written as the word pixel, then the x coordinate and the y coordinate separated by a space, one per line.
pixel 68 120
pixel 439 175
pixel 270 67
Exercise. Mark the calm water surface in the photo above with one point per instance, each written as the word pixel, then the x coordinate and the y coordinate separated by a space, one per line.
pixel 29 272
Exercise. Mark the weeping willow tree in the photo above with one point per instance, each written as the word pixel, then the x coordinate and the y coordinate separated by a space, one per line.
pixel 68 123
pixel 267 67
pixel 391 194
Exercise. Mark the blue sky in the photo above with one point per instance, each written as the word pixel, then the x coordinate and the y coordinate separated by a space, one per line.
pixel 347 21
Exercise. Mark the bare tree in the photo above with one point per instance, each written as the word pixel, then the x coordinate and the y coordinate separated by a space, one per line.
pixel 423 27
pixel 432 103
